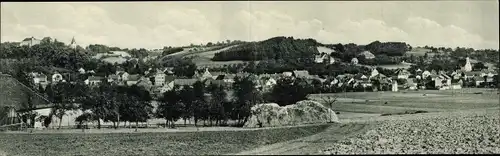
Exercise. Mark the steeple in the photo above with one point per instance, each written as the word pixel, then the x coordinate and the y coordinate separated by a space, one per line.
pixel 467 67
pixel 73 43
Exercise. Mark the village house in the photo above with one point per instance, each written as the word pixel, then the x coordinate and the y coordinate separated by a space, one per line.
pixel 354 61
pixel 478 80
pixel 30 42
pixel 56 77
pixel 301 74
pixel 123 75
pixel 324 57
pixel 287 74
pixel 185 82
pixel 38 78
pixel 367 55
pixel 145 83
pixel 168 85
pixel 442 81
pixel 132 79
pixel 456 84
pixel 411 84
pixel 402 74
pixel 81 71
pixel 93 80
pixel 159 79
pixel 113 78
pixel 266 83
pixel 203 76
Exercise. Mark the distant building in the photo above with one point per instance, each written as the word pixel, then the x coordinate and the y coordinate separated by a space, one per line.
pixel 30 42
pixel 301 74
pixel 467 67
pixel 367 55
pixel 81 71
pixel 354 61
pixel 93 80
pixel 56 77
pixel 73 43
pixel 402 74
pixel 133 79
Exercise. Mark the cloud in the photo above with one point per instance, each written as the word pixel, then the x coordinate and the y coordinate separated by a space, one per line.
pixel 92 25
pixel 156 27
pixel 417 31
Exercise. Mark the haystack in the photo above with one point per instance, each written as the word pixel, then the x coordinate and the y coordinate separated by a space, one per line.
pixel 303 112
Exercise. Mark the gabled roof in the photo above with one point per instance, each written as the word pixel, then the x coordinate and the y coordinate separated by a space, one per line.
pixel 113 76
pixel 182 82
pixel 402 72
pixel 367 54
pixel 478 78
pixel 360 76
pixel 135 77
pixel 95 78
pixel 169 78
pixel 301 73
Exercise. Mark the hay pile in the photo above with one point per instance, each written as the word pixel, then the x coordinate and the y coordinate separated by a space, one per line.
pixel 303 112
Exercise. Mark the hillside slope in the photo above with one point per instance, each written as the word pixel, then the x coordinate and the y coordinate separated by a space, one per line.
pixel 14 94
pixel 273 48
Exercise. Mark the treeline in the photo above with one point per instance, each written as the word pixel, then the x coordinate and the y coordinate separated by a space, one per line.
pixel 274 48
pixel 48 53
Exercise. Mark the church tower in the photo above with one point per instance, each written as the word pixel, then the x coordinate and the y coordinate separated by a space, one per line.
pixel 467 67
pixel 73 43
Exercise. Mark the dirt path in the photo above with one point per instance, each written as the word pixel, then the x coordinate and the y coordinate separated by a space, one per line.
pixel 312 144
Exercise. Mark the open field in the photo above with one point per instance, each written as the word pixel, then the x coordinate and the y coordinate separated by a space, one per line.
pixel 471 131
pixel 181 143
pixel 457 122
pixel 399 102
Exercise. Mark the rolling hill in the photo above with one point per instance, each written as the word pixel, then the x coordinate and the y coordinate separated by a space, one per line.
pixel 14 94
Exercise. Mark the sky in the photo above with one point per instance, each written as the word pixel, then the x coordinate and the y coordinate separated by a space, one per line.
pixel 157 24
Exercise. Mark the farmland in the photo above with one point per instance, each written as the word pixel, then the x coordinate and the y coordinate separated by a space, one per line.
pixel 471 132
pixel 181 143
pixel 457 122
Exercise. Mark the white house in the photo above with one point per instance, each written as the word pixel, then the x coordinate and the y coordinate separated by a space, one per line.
pixel 403 74
pixel 167 86
pixel 287 74
pixel 93 80
pixel 354 61
pixel 159 79
pixel 124 75
pixel 81 71
pixel 133 79
pixel 374 73
pixel 30 42
pixel 367 55
pixel 425 74
pixel 56 77
pixel 467 67
pixel 39 78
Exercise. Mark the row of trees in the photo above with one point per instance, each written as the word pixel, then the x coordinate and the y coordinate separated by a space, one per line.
pixel 274 48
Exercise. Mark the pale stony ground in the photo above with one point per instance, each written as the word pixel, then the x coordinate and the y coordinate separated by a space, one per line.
pixel 467 131
pixel 462 132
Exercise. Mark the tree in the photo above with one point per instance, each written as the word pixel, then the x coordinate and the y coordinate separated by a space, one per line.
pixel 62 98
pixel 289 91
pixel 199 101
pixel 137 110
pixel 330 101
pixel 246 96
pixel 217 101
pixel 169 107
pixel 479 66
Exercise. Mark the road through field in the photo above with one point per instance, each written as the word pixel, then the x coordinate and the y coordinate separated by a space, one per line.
pixel 312 144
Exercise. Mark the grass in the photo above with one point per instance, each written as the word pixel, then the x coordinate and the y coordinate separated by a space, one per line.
pixel 401 102
pixel 181 143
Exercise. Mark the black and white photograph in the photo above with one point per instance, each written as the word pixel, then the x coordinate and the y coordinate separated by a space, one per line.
pixel 119 78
